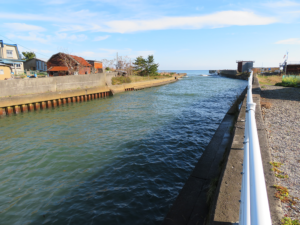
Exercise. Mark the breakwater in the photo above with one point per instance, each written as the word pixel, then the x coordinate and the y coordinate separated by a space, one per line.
pixel 118 160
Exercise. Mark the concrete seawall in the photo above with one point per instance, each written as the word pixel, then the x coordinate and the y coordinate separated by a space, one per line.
pixel 196 197
pixel 54 96
pixel 225 205
pixel 51 84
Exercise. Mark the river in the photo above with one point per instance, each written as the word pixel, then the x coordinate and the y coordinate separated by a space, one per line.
pixel 119 160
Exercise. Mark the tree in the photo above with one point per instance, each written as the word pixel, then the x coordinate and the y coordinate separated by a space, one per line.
pixel 29 55
pixel 145 67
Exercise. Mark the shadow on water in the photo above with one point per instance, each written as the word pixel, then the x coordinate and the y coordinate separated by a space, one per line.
pixel 134 181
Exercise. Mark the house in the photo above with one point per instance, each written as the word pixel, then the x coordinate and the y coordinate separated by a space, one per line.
pixel 97 66
pixel 35 64
pixel 62 64
pixel 10 55
pixel 244 66
pixel 5 71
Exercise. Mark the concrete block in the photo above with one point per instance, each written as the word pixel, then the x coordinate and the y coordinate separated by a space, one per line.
pixel 59 102
pixel 82 98
pixel 78 99
pixel 64 101
pixel 73 99
pixel 69 100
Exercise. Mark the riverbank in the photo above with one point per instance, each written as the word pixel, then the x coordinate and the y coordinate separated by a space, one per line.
pixel 194 201
pixel 226 209
pixel 56 94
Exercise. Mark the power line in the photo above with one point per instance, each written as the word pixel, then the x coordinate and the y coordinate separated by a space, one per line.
pixel 24 46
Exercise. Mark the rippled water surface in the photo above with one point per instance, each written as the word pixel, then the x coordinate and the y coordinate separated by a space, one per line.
pixel 119 160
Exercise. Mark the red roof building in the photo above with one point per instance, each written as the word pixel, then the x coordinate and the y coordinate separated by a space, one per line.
pixel 62 64
pixel 97 66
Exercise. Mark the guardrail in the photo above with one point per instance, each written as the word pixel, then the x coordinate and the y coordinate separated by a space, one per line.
pixel 254 204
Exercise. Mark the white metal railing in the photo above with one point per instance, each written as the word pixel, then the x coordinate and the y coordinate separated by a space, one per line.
pixel 254 206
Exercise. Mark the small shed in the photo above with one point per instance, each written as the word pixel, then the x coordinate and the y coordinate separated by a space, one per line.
pixel 97 66
pixel 5 71
pixel 35 64
pixel 244 66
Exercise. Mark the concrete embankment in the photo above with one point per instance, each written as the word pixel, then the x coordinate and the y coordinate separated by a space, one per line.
pixel 225 205
pixel 233 74
pixel 35 94
pixel 212 192
pixel 194 200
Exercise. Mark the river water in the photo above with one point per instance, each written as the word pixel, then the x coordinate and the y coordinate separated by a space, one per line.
pixel 119 160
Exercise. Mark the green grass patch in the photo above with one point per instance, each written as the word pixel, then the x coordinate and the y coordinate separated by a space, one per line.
pixel 120 80
pixel 289 221
pixel 290 81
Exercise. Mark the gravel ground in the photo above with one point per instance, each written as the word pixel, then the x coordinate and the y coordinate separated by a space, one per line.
pixel 282 121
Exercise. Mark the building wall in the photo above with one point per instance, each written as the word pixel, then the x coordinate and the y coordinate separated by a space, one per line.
pixel 29 64
pixel 7 72
pixel 51 84
pixel 14 51
pixel 18 70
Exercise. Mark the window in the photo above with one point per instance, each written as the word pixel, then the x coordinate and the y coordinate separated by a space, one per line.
pixel 9 53
pixel 1 72
pixel 18 66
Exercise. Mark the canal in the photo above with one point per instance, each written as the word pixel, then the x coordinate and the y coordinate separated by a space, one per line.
pixel 119 160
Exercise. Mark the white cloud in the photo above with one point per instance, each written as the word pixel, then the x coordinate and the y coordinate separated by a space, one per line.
pixel 32 37
pixel 290 41
pixel 281 4
pixel 215 20
pixel 101 38
pixel 73 37
pixel 84 20
pixel 23 27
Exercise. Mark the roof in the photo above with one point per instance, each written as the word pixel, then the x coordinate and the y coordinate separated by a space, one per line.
pixel 58 68
pixel 80 60
pixel 36 59
pixel 2 64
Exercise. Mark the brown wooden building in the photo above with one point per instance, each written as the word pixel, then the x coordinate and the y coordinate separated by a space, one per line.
pixel 62 64
pixel 293 68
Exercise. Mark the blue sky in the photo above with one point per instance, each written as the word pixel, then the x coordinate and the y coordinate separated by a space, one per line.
pixel 180 34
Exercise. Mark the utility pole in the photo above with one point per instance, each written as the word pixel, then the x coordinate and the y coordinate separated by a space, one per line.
pixel 117 65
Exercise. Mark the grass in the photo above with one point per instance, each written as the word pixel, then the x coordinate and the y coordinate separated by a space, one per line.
pixel 135 78
pixel 289 81
pixel 120 80
pixel 277 171
pixel 289 221
pixel 269 80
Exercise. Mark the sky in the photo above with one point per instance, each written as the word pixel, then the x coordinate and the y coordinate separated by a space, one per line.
pixel 182 35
